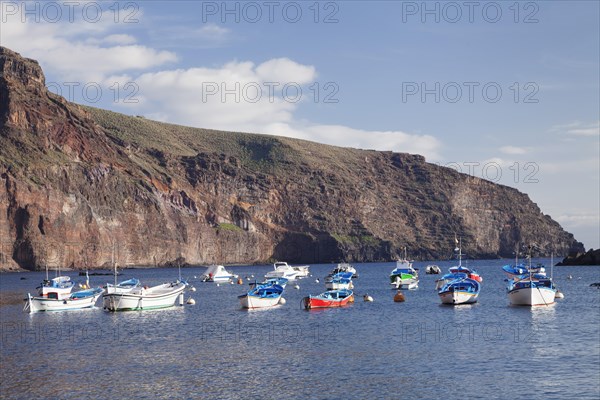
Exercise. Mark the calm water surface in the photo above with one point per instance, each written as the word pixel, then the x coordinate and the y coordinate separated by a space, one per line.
pixel 214 349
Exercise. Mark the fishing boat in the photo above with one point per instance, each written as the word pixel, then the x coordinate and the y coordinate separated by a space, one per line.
pixel 61 286
pixel 54 302
pixel 534 288
pixel 341 280
pixel 122 287
pixel 271 281
pixel 281 269
pixel 145 298
pixel 344 267
pixel 302 271
pixel 218 274
pixel 531 290
pixel 432 270
pixel 460 291
pixel 445 279
pixel 262 296
pixel 329 299
pixel 404 276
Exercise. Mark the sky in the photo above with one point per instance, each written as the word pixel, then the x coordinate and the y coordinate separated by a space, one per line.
pixel 504 90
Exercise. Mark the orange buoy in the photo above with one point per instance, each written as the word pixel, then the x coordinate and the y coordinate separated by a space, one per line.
pixel 240 281
pixel 399 297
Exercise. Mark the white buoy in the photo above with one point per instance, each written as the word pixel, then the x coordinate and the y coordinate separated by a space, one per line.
pixel 181 299
pixel 195 277
pixel 317 280
pixel 296 286
pixel 252 276
pixel 218 285
pixel 192 289
pixel 191 301
pixel 281 301
pixel 559 295
pixel 367 298
pixel 570 277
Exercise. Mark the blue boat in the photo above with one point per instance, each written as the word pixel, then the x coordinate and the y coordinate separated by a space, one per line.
pixel 441 282
pixel 460 291
pixel 341 280
pixel 262 296
pixel 271 281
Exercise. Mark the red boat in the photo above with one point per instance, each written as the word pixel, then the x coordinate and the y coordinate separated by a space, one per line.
pixel 328 299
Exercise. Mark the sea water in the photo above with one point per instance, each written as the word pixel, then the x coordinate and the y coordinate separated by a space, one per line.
pixel 379 349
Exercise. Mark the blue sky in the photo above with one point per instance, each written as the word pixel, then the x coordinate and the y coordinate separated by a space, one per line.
pixel 369 62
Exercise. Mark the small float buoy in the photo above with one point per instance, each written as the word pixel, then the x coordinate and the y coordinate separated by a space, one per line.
pixel 366 297
pixel 296 286
pixel 192 289
pixel 570 277
pixel 317 280
pixel 191 301
pixel 181 299
pixel 195 277
pixel 399 297
pixel 281 301
pixel 559 295
pixel 240 281
pixel 252 276
pixel 218 285
pixel 231 282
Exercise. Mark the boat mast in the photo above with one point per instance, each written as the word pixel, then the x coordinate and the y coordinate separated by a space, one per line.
pixel 460 252
pixel 113 262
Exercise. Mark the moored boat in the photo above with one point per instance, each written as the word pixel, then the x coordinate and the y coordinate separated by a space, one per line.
pixel 218 274
pixel 281 269
pixel 445 279
pixel 61 286
pixel 341 280
pixel 460 291
pixel 302 271
pixel 344 267
pixel 262 296
pixel 73 301
pixel 531 290
pixel 404 276
pixel 145 298
pixel 271 281
pixel 329 299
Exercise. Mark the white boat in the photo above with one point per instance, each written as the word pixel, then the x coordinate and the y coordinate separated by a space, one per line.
pixel 302 271
pixel 404 276
pixel 341 280
pixel 344 267
pixel 61 286
pixel 432 270
pixel 460 291
pixel 262 296
pixel 281 269
pixel 531 290
pixel 218 274
pixel 122 287
pixel 54 302
pixel 145 298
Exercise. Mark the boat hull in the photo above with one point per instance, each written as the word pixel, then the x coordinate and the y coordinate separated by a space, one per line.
pixel 537 296
pixel 405 284
pixel 338 285
pixel 316 302
pixel 41 304
pixel 161 296
pixel 251 302
pixel 458 297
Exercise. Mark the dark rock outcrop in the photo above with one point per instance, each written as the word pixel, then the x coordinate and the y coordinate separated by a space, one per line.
pixel 81 187
pixel 592 257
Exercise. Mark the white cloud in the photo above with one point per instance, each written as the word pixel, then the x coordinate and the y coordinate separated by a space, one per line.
pixel 579 220
pixel 80 51
pixel 513 150
pixel 578 128
pixel 285 70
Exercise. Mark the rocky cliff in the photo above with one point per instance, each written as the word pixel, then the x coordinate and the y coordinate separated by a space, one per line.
pixel 81 187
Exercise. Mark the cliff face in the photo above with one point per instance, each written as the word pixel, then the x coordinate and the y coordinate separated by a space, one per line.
pixel 82 186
